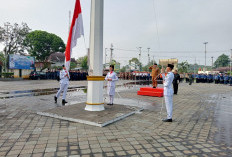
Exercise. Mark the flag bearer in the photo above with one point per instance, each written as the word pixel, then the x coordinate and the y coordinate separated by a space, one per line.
pixel 64 82
pixel 168 91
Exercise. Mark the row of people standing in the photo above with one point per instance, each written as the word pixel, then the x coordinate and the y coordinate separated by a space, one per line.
pixel 74 75
pixel 217 78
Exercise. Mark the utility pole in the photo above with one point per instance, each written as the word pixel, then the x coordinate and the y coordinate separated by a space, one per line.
pixel 105 56
pixel 153 60
pixel 212 63
pixel 230 61
pixel 140 51
pixel 111 53
pixel 195 65
pixel 7 25
pixel 148 49
pixel 205 53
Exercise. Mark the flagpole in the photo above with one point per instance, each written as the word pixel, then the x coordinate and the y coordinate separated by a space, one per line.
pixel 95 79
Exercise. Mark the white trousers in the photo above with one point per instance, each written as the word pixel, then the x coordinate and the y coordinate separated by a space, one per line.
pixel 64 88
pixel 169 103
pixel 111 99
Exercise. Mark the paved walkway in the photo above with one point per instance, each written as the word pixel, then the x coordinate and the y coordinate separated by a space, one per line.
pixel 201 126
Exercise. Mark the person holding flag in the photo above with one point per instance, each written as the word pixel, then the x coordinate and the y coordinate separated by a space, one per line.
pixel 64 82
pixel 76 31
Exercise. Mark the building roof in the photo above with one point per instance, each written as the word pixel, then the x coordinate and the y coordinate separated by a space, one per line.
pixel 58 57
pixel 222 69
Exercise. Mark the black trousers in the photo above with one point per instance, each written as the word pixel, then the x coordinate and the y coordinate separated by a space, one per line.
pixel 175 87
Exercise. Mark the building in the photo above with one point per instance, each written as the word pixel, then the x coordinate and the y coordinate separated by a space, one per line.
pixel 165 62
pixel 57 59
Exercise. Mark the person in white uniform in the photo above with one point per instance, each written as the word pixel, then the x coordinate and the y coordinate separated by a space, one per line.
pixel 168 91
pixel 111 77
pixel 64 82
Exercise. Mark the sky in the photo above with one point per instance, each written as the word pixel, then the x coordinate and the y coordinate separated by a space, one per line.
pixel 171 28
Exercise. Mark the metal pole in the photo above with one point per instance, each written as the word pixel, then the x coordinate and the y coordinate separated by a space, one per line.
pixel 212 63
pixel 69 21
pixel 105 56
pixel 140 48
pixel 6 52
pixel 230 61
pixel 111 53
pixel 148 49
pixel 205 53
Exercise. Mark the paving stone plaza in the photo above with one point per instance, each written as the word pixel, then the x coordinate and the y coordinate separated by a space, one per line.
pixel 201 123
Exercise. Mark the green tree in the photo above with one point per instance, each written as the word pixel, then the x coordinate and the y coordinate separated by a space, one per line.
pixel 135 62
pixel 42 44
pixel 73 65
pixel 183 67
pixel 123 69
pixel 2 60
pixel 83 62
pixel 13 37
pixel 222 61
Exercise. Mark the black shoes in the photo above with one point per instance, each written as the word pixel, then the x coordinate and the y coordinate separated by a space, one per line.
pixel 110 104
pixel 64 102
pixel 167 120
pixel 55 98
pixel 154 87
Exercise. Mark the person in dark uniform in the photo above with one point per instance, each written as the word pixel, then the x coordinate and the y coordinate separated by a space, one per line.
pixel 221 79
pixel 230 80
pixel 226 79
pixel 190 78
pixel 176 81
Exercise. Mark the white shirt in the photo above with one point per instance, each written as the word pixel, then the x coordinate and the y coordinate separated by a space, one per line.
pixel 63 78
pixel 168 90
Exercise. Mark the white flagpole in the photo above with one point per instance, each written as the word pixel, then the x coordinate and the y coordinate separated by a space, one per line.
pixel 95 80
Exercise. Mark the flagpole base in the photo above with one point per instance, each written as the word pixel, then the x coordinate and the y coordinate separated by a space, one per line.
pixel 95 94
pixel 94 107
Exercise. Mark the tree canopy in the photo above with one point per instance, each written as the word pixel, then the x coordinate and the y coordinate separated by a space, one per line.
pixel 83 62
pixel 42 44
pixel 183 67
pixel 13 37
pixel 222 61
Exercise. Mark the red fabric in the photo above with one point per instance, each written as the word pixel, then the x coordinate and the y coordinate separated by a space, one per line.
pixel 77 11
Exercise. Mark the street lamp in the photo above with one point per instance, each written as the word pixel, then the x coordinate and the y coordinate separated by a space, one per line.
pixel 205 52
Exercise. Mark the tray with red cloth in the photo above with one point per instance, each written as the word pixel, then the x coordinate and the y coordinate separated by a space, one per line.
pixel 149 91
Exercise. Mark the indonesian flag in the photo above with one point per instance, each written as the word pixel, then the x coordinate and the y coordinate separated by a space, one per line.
pixel 76 30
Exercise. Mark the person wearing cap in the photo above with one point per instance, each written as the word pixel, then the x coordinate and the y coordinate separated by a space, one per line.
pixel 111 77
pixel 168 91
pixel 64 82
pixel 155 72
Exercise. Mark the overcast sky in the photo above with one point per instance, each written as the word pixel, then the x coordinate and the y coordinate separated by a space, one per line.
pixel 171 28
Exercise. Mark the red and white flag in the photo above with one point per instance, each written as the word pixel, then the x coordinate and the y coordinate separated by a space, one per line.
pixel 76 30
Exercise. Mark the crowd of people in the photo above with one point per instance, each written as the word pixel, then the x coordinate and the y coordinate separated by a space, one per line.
pixel 210 78
pixel 76 75
pixel 189 77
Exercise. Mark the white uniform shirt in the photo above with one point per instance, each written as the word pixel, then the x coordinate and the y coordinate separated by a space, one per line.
pixel 111 84
pixel 64 79
pixel 168 90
